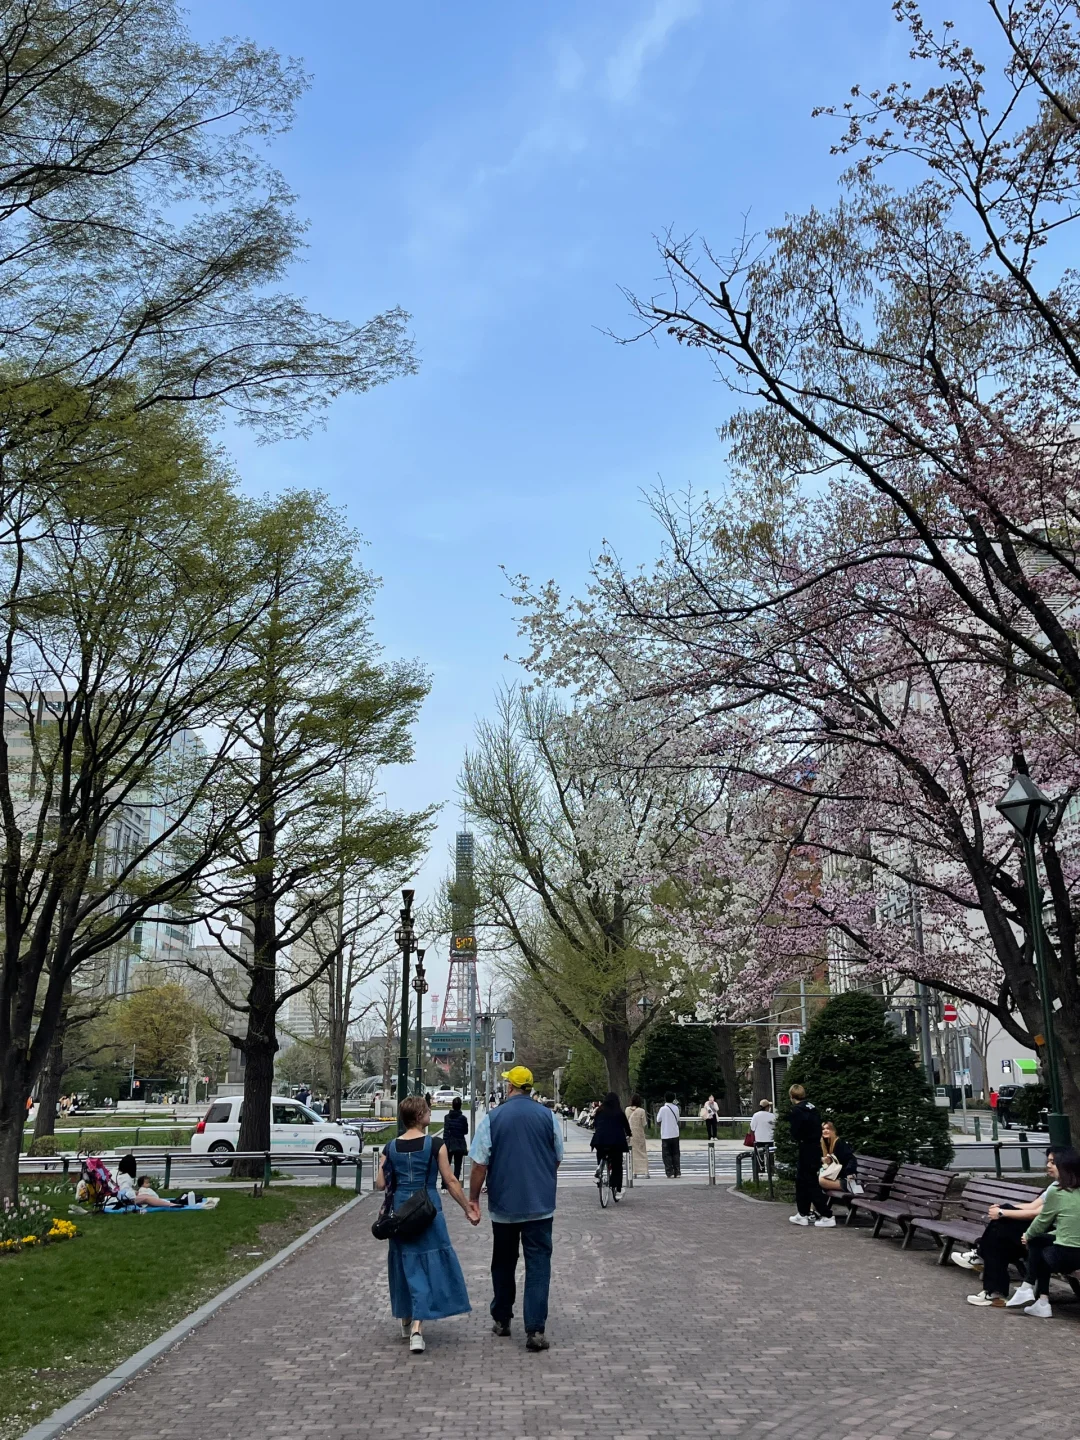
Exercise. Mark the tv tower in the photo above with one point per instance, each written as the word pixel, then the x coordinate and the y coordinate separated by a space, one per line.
pixel 461 983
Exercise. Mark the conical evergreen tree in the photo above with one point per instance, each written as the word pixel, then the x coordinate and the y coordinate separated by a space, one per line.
pixel 868 1081
pixel 682 1058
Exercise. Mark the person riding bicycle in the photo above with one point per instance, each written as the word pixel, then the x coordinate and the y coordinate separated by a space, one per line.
pixel 611 1131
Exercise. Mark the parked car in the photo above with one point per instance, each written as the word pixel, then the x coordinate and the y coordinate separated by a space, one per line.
pixel 445 1095
pixel 293 1127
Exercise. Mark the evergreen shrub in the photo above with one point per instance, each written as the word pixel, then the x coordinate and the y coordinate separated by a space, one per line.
pixel 868 1081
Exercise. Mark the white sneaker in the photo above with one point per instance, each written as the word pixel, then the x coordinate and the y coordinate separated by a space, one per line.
pixel 967 1260
pixel 982 1298
pixel 825 1223
pixel 1023 1295
pixel 416 1344
pixel 799 1219
pixel 1041 1309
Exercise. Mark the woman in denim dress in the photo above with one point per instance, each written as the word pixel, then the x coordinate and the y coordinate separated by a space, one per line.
pixel 425 1277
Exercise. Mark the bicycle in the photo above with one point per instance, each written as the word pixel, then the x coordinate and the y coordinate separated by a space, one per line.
pixel 603 1183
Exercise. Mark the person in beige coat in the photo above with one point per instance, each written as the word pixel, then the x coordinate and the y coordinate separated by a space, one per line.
pixel 635 1113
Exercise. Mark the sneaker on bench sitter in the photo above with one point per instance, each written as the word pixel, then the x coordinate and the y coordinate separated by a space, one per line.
pixel 982 1298
pixel 1023 1295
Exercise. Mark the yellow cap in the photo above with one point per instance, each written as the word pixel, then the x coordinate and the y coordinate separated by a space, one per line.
pixel 518 1076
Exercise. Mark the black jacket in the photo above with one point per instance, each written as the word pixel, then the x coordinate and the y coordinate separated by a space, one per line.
pixel 805 1122
pixel 610 1130
pixel 455 1128
pixel 843 1152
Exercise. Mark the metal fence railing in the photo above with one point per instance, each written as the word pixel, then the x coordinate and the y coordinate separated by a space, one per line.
pixel 181 1169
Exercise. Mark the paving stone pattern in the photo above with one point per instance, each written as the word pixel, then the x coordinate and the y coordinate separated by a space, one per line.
pixel 683 1312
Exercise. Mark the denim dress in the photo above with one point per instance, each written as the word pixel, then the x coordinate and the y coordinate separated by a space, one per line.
pixel 425 1277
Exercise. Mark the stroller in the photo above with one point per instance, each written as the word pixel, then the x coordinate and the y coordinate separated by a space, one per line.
pixel 97 1188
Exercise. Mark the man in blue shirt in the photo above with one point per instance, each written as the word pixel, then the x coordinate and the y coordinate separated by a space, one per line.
pixel 518 1148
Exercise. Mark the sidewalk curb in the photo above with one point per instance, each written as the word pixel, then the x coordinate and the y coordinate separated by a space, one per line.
pixel 731 1190
pixel 81 1406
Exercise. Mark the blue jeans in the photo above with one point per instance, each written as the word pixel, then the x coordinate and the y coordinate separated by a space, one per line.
pixel 535 1239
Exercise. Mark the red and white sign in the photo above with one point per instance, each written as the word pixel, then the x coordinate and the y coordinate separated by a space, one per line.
pixel 948 1013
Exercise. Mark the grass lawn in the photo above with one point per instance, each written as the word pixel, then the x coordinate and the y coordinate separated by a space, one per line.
pixel 73 1310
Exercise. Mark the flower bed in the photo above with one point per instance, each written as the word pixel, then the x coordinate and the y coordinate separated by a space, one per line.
pixel 31 1223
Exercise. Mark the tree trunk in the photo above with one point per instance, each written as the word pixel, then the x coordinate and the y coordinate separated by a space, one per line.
pixel 725 1051
pixel 617 1058
pixel 259 1051
pixel 337 1064
pixel 52 1078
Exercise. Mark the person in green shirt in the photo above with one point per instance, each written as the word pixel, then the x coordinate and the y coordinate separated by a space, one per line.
pixel 1053 1237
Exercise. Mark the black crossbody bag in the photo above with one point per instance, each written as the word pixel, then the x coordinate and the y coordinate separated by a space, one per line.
pixel 413 1217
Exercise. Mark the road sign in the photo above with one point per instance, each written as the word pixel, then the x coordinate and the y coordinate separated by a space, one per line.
pixel 948 1013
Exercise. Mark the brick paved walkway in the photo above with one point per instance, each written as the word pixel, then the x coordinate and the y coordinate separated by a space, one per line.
pixel 685 1312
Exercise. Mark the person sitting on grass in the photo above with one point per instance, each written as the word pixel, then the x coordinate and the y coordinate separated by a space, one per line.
pixel 147 1198
pixel 839 1168
pixel 1002 1244
pixel 1058 1251
pixel 124 1180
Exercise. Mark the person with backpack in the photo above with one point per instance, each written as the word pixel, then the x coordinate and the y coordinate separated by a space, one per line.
pixel 423 1271
pixel 667 1117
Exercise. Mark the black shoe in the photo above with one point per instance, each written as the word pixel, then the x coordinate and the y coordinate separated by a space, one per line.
pixel 537 1340
pixel 500 1327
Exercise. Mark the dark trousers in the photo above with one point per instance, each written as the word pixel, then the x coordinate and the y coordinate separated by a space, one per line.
pixel 613 1154
pixel 808 1192
pixel 456 1157
pixel 672 1159
pixel 710 1129
pixel 999 1245
pixel 535 1240
pixel 1044 1257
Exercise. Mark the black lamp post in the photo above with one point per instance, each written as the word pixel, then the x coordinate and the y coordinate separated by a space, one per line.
pixel 420 985
pixel 406 940
pixel 1027 809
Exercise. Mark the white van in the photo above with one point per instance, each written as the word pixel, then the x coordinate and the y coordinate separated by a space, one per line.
pixel 293 1127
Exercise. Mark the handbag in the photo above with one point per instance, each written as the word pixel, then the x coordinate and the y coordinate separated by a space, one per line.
pixel 413 1217
pixel 831 1170
pixel 749 1138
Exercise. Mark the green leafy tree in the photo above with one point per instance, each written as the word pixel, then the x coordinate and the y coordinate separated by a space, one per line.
pixel 867 1080
pixel 585 1079
pixel 682 1058
pixel 320 715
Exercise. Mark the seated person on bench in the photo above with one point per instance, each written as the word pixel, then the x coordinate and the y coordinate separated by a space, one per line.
pixel 1053 1237
pixel 838 1165
pixel 1001 1244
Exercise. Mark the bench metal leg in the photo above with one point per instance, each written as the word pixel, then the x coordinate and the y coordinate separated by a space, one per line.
pixel 946 1252
pixel 908 1232
pixel 879 1220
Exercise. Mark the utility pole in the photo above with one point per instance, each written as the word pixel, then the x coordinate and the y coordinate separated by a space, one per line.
pixel 472 1061
pixel 420 985
pixel 406 939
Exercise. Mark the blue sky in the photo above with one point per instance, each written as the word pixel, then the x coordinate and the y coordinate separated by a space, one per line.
pixel 499 168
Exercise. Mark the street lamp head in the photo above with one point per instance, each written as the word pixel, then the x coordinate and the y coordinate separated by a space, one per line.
pixel 1025 806
pixel 420 953
pixel 407 898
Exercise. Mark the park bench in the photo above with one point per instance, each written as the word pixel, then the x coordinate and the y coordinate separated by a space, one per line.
pixel 915 1190
pixel 874 1175
pixel 968 1223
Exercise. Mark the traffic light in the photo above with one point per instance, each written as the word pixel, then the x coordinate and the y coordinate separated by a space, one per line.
pixel 783 1042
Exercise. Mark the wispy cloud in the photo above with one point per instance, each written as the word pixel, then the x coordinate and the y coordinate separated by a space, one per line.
pixel 643 42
